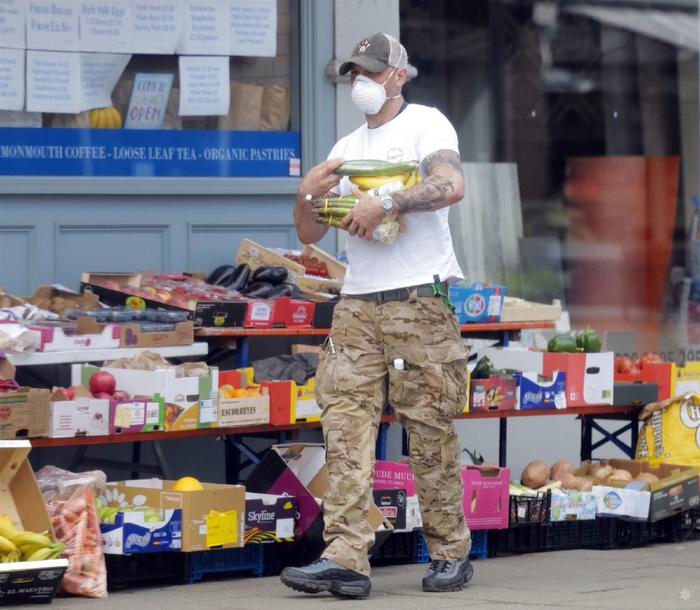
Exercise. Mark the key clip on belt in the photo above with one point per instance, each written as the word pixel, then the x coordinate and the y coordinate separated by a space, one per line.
pixel 440 292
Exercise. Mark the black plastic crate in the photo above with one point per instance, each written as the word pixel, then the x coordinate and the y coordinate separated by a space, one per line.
pixel 530 509
pixel 399 547
pixel 145 569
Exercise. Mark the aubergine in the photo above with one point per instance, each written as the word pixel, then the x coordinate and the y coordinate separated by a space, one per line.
pixel 271 275
pixel 221 275
pixel 240 277
pixel 283 290
pixel 258 290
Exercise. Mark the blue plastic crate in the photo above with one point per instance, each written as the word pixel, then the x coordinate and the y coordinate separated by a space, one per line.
pixel 244 559
pixel 479 548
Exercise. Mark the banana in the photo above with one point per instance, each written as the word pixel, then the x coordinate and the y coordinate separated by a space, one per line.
pixel 371 182
pixel 41 554
pixel 413 179
pixel 56 552
pixel 41 540
pixel 116 117
pixel 6 545
pixel 7 528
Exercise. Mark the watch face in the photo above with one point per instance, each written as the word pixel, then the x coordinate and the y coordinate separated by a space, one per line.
pixel 387 203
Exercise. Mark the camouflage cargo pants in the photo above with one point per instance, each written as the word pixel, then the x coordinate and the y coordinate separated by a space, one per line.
pixel 355 374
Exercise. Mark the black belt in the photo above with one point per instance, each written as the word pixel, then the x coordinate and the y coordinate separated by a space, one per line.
pixel 399 294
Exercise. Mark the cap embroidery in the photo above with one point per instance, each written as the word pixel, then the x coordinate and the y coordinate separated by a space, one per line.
pixel 363 46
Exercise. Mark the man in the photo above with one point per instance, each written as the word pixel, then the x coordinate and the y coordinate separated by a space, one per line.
pixel 393 334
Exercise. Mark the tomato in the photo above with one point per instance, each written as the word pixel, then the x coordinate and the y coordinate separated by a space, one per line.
pixel 624 365
pixel 102 382
pixel 649 358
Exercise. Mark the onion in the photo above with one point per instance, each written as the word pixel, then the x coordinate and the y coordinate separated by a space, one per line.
pixel 620 475
pixel 535 474
pixel 602 472
pixel 647 477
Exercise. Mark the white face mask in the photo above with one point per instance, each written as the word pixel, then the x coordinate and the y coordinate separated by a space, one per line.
pixel 368 95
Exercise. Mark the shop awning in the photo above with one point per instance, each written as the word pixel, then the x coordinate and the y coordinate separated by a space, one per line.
pixel 679 28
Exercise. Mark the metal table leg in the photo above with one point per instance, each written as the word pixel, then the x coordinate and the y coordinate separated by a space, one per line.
pixel 502 441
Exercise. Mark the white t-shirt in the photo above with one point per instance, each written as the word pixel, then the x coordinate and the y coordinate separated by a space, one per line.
pixel 425 248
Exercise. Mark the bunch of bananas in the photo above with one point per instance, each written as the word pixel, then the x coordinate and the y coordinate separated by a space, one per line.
pixel 16 545
pixel 105 118
pixel 401 181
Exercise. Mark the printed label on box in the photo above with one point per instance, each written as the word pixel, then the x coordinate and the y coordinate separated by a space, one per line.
pixel 285 528
pixel 207 411
pixel 221 528
pixel 122 415
pixel 153 413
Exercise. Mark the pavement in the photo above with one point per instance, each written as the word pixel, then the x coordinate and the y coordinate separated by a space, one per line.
pixel 660 577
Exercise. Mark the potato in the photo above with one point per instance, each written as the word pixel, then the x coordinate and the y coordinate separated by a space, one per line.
pixel 647 477
pixel 559 469
pixel 535 474
pixel 569 481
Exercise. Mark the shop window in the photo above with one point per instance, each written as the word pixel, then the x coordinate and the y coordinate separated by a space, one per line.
pixel 160 88
pixel 578 127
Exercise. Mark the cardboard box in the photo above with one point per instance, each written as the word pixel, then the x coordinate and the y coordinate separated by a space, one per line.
pixel 24 413
pixel 497 393
pixel 189 402
pixel 299 470
pixel 485 491
pixel 589 377
pixel 572 506
pixel 131 534
pixel 685 379
pixel 199 526
pixel 535 393
pixel 635 393
pixel 136 415
pixel 486 497
pixel 58 299
pixel 83 416
pixel 88 335
pixel 520 310
pixel 269 518
pixel 659 373
pixel 676 491
pixel 132 336
pixel 21 499
pixel 245 411
pixel 477 302
pixel 392 504
pixel 283 312
pixel 290 403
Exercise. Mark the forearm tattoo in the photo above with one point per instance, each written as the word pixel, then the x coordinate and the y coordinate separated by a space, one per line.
pixel 430 194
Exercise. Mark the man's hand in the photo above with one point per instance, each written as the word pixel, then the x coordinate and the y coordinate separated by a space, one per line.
pixel 320 179
pixel 364 217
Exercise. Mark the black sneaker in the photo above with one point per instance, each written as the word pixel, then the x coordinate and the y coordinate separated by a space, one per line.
pixel 444 575
pixel 327 575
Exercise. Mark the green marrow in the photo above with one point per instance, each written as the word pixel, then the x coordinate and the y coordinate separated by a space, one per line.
pixel 373 167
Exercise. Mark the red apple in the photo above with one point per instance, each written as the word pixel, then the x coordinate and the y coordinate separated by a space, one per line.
pixel 102 381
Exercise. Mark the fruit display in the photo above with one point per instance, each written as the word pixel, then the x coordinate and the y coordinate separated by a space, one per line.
pixel 633 366
pixel 105 118
pixel 227 391
pixel 108 514
pixel 18 545
pixel 311 264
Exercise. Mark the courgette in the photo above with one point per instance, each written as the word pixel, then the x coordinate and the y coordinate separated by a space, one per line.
pixel 374 167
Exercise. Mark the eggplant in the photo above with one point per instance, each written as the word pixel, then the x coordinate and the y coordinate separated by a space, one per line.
pixel 258 290
pixel 283 290
pixel 240 277
pixel 221 275
pixel 271 275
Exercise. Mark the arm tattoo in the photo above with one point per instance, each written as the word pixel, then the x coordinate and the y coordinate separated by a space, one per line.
pixel 430 194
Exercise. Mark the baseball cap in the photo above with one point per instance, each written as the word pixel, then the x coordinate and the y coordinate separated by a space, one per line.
pixel 376 53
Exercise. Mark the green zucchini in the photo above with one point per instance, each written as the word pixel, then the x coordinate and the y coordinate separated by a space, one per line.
pixel 374 167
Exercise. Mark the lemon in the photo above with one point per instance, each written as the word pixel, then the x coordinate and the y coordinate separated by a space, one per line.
pixel 187 484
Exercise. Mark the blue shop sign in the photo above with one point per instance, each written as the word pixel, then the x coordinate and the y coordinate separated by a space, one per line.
pixel 162 153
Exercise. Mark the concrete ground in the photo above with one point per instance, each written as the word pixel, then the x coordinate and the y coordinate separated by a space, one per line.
pixel 661 576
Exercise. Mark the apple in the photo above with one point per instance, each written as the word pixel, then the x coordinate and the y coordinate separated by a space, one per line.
pixel 102 382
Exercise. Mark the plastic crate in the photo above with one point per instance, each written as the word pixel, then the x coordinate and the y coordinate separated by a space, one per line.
pixel 479 548
pixel 245 559
pixel 530 509
pixel 142 569
pixel 420 551
pixel 399 547
pixel 276 557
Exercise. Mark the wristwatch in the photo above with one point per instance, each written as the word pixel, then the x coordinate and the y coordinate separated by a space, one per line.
pixel 387 204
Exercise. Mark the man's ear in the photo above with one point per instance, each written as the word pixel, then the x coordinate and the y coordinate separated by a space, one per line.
pixel 401 76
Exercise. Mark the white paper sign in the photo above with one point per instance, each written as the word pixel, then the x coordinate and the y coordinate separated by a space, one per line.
pixel 12 79
pixel 12 118
pixel 149 101
pixel 99 73
pixel 12 24
pixel 156 26
pixel 253 28
pixel 53 25
pixel 205 28
pixel 204 86
pixel 105 26
pixel 53 82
